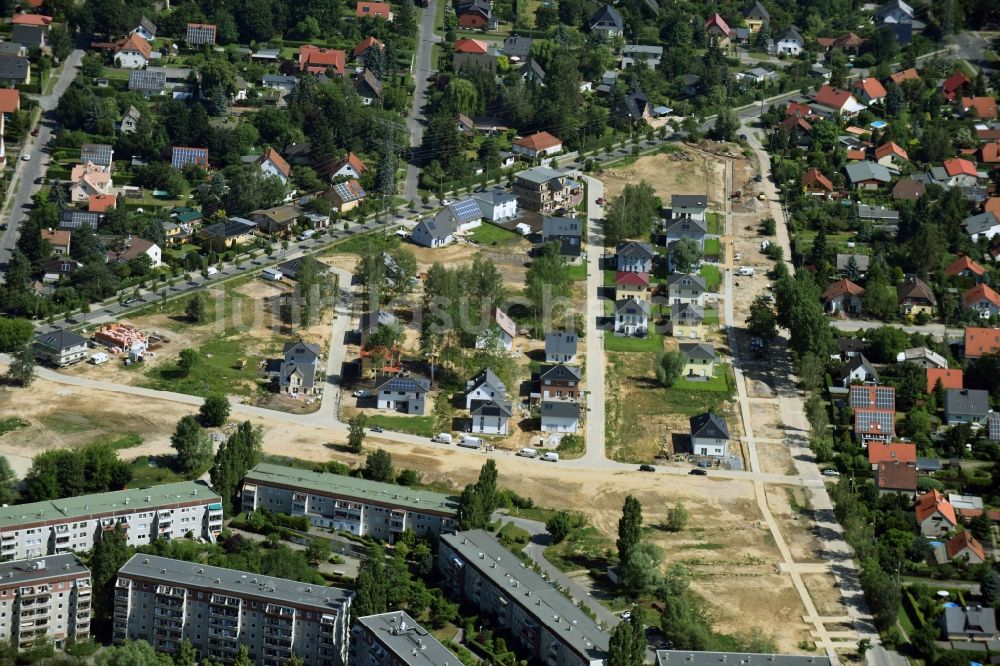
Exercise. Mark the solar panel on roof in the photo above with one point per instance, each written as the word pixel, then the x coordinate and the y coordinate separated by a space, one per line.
pixel 466 210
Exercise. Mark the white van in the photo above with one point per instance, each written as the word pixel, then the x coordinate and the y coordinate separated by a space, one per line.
pixel 99 358
pixel 211 270
pixel 764 244
pixel 746 271
pixel 551 456
pixel 443 438
pixel 470 442
pixel 528 453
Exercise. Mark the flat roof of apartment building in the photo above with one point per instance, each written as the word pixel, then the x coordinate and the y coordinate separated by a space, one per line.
pixel 361 490
pixel 25 572
pixel 412 644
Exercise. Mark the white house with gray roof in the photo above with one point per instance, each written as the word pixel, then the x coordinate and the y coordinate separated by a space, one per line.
pixel 560 416
pixel 166 601
pixel 560 346
pixel 496 205
pixel 634 257
pixel 642 54
pixel 489 407
pixel 395 638
pixel 984 225
pixel 969 623
pixel 547 625
pixel 631 317
pixel 60 347
pixel 684 288
pixel 499 332
pixel 607 22
pixel 688 206
pixel 401 394
pixel 966 406
pixel 867 175
pixel 299 368
pixel 790 42
pixel 709 435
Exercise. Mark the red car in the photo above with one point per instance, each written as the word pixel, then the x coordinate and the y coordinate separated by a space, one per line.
pixel 34 132
pixel 601 201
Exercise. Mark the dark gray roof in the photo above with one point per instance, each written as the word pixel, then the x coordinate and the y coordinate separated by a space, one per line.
pixel 972 402
pixel 858 172
pixel 24 572
pixel 216 579
pixel 607 16
pixel 14 67
pixel 307 370
pixel 688 311
pixel 862 260
pixel 559 372
pixel 376 318
pixel 411 644
pixel 691 658
pixel 561 226
pixel 560 409
pixel 517 46
pixel 560 342
pixel 151 80
pixel 698 350
pixel 758 11
pixel 73 218
pixel 441 225
pixel 928 464
pixel 709 425
pixel 539 175
pixel 495 407
pixel 98 153
pixel 971 620
pixel 407 384
pixel 495 196
pixel 877 213
pixel 234 226
pixel 687 224
pixel 634 249
pixel 295 347
pixel 534 70
pixel 856 362
pixel 59 339
pixel 29 35
pixel 792 34
pixel 983 222
pixel 696 280
pixel 487 377
pixel 631 306
pixel 689 201
pixel 636 105
pixel 147 25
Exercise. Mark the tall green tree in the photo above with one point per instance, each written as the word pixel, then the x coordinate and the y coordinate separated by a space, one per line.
pixel 21 371
pixel 356 433
pixel 197 307
pixel 193 446
pixel 371 586
pixel 627 645
pixel 214 412
pixel 110 554
pixel 669 367
pixel 235 457
pixel 685 255
pixel 479 500
pixel 629 528
pixel 8 482
pixel 378 467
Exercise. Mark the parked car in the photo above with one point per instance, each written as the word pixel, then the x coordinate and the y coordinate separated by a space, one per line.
pixel 376 429
pixel 830 472
pixel 704 463
pixel 698 472
pixel 34 132
pixel 758 178
pixel 25 158
pixel 646 468
pixel 626 615
pixel 601 201
pixel 130 301
pixel 361 394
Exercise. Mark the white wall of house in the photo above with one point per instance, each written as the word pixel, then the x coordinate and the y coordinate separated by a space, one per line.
pixel 704 446
pixel 489 425
pixel 268 168
pixel 557 424
pixel 130 60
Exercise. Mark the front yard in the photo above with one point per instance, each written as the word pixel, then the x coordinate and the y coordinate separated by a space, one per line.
pixel 652 343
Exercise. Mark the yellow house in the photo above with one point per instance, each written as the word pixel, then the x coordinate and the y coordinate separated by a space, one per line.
pixel 631 285
pixel 699 359
pixel 347 195
pixel 687 321
pixel 915 298
pixel 756 17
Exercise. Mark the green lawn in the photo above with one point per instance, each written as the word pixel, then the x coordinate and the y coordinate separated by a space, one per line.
pixel 609 278
pixel 711 317
pixel 217 371
pixel 145 475
pixel 712 247
pixel 414 425
pixel 653 342
pixel 12 423
pixel 720 383
pixel 578 272
pixel 712 275
pixel 716 223
pixel 491 234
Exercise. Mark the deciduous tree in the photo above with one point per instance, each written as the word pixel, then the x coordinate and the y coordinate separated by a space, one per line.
pixel 193 446
pixel 356 433
pixel 629 528
pixel 214 412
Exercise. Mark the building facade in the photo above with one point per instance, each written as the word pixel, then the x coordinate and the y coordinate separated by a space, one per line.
pixel 72 524
pixel 166 601
pixel 44 599
pixel 358 506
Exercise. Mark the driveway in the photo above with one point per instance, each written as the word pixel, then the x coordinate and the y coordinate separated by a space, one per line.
pixel 422 70
pixel 595 336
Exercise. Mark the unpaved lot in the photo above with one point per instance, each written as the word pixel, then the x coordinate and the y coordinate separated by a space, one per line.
pixel 687 171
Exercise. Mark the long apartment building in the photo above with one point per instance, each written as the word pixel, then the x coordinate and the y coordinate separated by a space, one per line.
pixel 395 639
pixel 548 626
pixel 44 599
pixel 358 506
pixel 166 601
pixel 76 523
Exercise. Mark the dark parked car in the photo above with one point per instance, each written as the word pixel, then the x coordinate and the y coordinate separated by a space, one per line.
pixel 376 429
pixel 646 468
pixel 698 472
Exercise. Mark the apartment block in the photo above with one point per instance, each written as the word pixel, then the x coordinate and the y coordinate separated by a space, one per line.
pixel 76 523
pixel 395 639
pixel 547 625
pixel 365 508
pixel 44 599
pixel 165 601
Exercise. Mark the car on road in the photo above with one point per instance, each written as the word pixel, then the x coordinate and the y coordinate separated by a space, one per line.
pixel 25 158
pixel 646 468
pixel 3 227
pixel 758 178
pixel 698 472
pixel 626 615
pixel 601 201
pixel 830 472
pixel 130 301
pixel 34 132
pixel 376 429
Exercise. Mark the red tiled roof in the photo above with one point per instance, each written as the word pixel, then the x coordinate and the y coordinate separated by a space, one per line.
pixel 136 43
pixel 934 502
pixel 992 205
pixel 380 9
pixel 796 122
pixel 57 237
pixel 981 341
pixel 982 107
pixel 471 46
pixel 815 177
pixel 101 203
pixel 538 141
pixel 989 153
pixel 906 75
pixel 317 60
pixel 835 98
pixel 880 452
pixel 969 514
pixel 949 378
pixel 278 161
pixel 964 540
pixel 354 161
pixel 897 476
pixel 981 292
pixel 31 19
pixel 871 87
pixel 856 154
pixel 964 263
pixel 10 100
pixel 953 83
pixel 629 278
pixel 957 166
pixel 841 288
pixel 366 44
pixel 798 109
pixel 890 149
pixel 718 22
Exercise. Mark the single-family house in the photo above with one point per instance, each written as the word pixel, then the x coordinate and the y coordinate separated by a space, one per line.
pixel 182 156
pixel 790 42
pixel 130 121
pixel 545 190
pixel 709 435
pixel 499 332
pixel 14 70
pixel 60 347
pixel 59 240
pixel 560 416
pixel 317 60
pixel 88 183
pixel 474 53
pixel 145 29
pixel 150 81
pixel 489 407
pixel 347 195
pixel 130 248
pixel 635 106
pixel 843 296
pixel 756 16
pixel 815 183
pixel 966 406
pixel 923 357
pixel 717 29
pixel 867 175
pixel 476 15
pixel 401 394
pixel 560 346
pixel 365 46
pixel 981 341
pixel 687 207
pixel 896 478
pixel 299 368
pixel 983 300
pixel 889 154
pixel 371 321
pixel 350 166
pixel 985 225
pixel 908 189
pixel 830 101
pixel 380 10
pixel 966 267
pixel 858 370
pixel 687 321
pixel 882 218
pixel 880 452
pixel 440 230
pixel 10 100
pixel 133 52
pixel 979 107
pixel 631 285
pixel 200 34
pixel 234 231
pixel 101 155
pixel 517 46
pixel 868 91
pixel 369 88
pixel 894 11
pixel 963 548
pixel 557 381
pixel 539 144
pixel 272 164
pixel 496 205
pixel 30 30
pixel 874 413
pixel 935 514
pixel 607 22
pixel 641 54
pixel 277 220
pixel 757 75
pixel 568 232
pixel 968 623
pixel 631 317
pixel 954 85
pixel 634 257
pixel 686 288
pixel 915 297
pixel 699 359
pixel 956 172
pixel 102 203
pixel 950 379
pixel 685 227
pixel 54 270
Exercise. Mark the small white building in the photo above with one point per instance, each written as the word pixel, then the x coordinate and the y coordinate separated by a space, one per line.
pixel 560 346
pixel 496 204
pixel 709 435
pixel 401 394
pixel 561 416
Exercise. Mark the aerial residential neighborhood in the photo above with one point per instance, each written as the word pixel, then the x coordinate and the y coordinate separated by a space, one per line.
pixel 477 332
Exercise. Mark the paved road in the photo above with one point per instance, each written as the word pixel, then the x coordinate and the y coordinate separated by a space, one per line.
pixel 939 331
pixel 26 173
pixel 595 336
pixel 422 70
